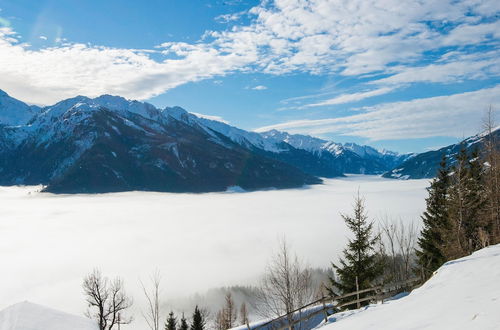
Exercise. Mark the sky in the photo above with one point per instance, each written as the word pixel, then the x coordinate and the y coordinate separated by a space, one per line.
pixel 405 75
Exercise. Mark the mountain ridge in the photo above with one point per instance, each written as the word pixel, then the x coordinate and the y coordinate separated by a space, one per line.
pixel 109 143
pixel 426 164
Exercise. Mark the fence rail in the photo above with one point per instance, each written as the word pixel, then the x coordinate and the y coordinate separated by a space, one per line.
pixel 380 293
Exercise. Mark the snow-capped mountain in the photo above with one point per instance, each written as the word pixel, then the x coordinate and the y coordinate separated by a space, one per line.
pixel 14 112
pixel 426 164
pixel 112 144
pixel 109 143
pixel 349 157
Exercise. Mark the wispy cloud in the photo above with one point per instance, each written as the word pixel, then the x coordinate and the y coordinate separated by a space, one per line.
pixel 211 117
pixel 259 88
pixel 456 115
pixel 232 17
pixel 348 98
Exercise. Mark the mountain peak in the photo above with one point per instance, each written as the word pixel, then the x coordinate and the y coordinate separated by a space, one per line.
pixel 14 112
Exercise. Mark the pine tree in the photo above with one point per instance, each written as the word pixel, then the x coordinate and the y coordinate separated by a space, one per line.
pixel 198 320
pixel 184 324
pixel 435 222
pixel 360 263
pixel 171 323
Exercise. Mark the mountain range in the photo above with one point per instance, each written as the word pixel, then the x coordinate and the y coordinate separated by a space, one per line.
pixel 426 164
pixel 109 143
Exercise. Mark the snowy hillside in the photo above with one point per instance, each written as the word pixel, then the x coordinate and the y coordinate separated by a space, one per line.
pixel 29 316
pixel 462 294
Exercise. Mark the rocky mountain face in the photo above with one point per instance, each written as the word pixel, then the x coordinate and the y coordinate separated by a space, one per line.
pixel 84 145
pixel 426 164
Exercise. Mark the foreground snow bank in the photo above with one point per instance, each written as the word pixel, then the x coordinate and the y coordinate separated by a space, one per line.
pixel 462 294
pixel 29 316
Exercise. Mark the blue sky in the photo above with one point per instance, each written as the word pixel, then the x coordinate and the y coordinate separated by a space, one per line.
pixel 403 75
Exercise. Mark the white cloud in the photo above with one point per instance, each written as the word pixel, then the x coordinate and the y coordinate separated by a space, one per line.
pixel 457 115
pixel 259 88
pixel 51 74
pixel 227 18
pixel 347 98
pixel 349 38
pixel 452 67
pixel 211 117
pixel 43 37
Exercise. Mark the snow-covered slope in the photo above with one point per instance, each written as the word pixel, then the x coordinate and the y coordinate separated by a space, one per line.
pixel 462 294
pixel 29 316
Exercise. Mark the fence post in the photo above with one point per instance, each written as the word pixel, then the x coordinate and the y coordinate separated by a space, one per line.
pixel 357 293
pixel 248 325
pixel 325 311
pixel 378 294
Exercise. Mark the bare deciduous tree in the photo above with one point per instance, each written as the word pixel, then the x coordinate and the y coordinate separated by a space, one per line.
pixel 243 314
pixel 406 236
pixel 227 316
pixel 106 300
pixel 492 179
pixel 286 285
pixel 152 314
pixel 388 232
pixel 400 238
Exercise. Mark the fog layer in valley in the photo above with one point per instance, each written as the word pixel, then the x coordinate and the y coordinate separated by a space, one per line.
pixel 48 243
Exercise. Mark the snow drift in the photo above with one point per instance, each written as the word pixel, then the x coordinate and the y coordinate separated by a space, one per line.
pixel 29 316
pixel 462 294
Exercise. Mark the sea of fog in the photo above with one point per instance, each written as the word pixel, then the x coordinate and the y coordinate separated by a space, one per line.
pixel 48 243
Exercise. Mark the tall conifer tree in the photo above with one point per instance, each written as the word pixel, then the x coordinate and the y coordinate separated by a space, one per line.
pixel 435 222
pixel 183 325
pixel 360 262
pixel 198 320
pixel 171 323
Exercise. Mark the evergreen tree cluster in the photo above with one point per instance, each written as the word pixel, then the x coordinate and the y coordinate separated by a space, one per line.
pixel 462 211
pixel 198 323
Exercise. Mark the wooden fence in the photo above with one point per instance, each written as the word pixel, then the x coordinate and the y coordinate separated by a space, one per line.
pixel 329 305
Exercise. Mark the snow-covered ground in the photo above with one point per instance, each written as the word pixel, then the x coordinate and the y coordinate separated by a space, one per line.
pixel 29 316
pixel 462 294
pixel 198 241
